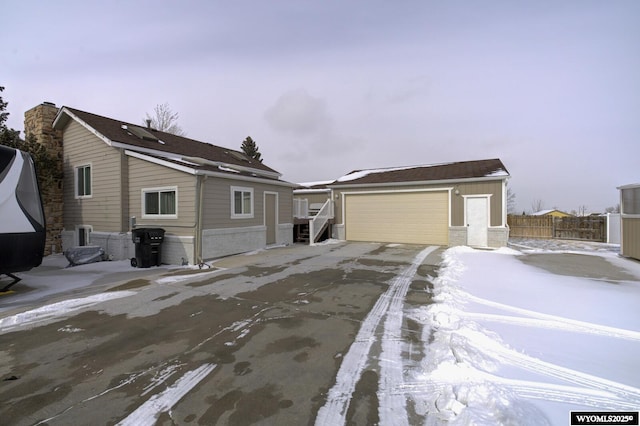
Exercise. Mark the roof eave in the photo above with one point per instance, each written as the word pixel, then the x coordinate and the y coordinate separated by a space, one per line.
pixel 194 171
pixel 65 115
pixel 422 182
pixel 629 186
pixel 273 175
pixel 244 178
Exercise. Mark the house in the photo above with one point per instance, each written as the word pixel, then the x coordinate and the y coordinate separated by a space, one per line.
pixel 630 220
pixel 552 213
pixel 211 201
pixel 459 203
pixel 309 199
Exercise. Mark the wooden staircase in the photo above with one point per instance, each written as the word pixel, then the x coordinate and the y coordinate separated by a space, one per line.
pixel 302 233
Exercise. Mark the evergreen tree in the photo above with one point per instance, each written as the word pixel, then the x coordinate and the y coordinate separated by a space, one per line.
pixel 8 137
pixel 250 148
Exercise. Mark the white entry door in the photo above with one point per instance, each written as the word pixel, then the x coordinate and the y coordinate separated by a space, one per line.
pixel 477 213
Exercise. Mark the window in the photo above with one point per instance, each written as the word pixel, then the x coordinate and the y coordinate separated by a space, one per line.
pixel 631 200
pixel 83 181
pixel 83 233
pixel 160 203
pixel 241 202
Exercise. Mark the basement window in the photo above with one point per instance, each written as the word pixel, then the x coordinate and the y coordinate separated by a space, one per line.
pixel 83 233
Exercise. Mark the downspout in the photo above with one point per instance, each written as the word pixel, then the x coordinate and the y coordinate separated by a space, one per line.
pixel 505 203
pixel 197 255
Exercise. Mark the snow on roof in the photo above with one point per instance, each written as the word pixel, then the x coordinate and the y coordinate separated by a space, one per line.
pixel 499 172
pixel 358 174
pixel 491 168
pixel 318 183
pixel 542 212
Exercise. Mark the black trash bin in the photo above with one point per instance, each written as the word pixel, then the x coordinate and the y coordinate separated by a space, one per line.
pixel 148 243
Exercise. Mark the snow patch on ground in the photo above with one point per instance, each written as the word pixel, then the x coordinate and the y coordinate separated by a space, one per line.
pixel 38 316
pixel 507 343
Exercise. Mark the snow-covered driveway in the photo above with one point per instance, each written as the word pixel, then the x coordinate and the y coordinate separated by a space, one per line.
pixel 338 334
pixel 510 343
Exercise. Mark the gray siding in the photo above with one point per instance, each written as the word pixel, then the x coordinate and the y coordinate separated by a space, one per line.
pixel 217 203
pixel 145 175
pixel 104 210
pixel 487 187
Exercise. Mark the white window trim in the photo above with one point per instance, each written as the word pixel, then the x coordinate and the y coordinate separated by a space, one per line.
pixel 79 229
pixel 143 206
pixel 75 180
pixel 235 215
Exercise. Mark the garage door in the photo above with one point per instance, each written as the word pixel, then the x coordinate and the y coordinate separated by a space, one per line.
pixel 401 217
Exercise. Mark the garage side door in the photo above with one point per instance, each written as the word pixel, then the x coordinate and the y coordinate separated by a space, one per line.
pixel 409 217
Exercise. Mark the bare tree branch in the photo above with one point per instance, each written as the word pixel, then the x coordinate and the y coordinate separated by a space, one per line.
pixel 165 120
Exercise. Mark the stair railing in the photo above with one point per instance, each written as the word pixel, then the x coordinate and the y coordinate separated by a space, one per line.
pixel 316 225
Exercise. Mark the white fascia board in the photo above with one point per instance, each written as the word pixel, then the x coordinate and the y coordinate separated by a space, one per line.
pixel 64 110
pixel 424 182
pixel 160 162
pixel 245 178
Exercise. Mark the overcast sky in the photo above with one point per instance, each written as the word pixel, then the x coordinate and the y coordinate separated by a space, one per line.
pixel 552 88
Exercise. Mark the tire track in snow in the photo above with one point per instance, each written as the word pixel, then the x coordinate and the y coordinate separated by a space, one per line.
pixel 560 323
pixel 334 411
pixel 553 320
pixel 148 413
pixel 515 358
pixel 600 399
pixel 392 408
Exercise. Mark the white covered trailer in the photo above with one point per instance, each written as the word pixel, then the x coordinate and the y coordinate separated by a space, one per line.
pixel 22 222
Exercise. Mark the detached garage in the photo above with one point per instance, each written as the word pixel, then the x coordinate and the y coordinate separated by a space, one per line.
pixel 462 203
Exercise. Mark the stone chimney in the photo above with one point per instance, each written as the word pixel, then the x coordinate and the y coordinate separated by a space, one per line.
pixel 38 123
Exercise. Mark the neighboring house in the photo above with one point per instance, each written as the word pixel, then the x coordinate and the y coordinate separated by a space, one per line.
pixel 211 201
pixel 309 198
pixel 630 220
pixel 552 212
pixel 461 203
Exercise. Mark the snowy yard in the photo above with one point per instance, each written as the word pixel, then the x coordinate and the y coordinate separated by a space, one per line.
pixel 509 343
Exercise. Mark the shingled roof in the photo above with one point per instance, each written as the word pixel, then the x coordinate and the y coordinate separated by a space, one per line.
pixel 164 145
pixel 424 173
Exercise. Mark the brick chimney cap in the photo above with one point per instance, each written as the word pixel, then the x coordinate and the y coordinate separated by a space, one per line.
pixel 48 103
